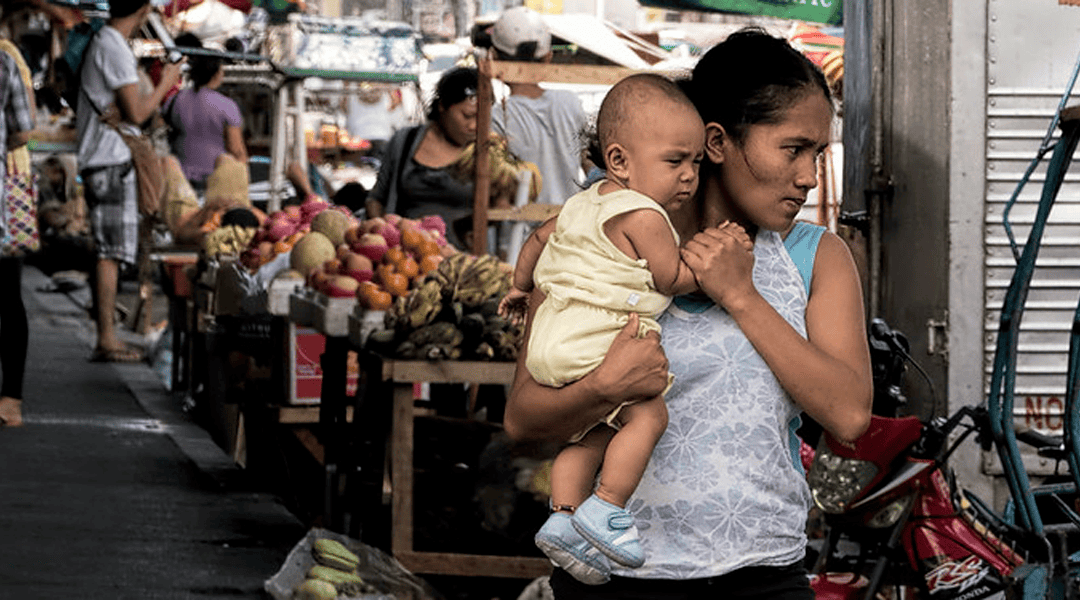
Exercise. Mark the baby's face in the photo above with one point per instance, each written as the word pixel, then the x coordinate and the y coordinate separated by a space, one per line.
pixel 665 153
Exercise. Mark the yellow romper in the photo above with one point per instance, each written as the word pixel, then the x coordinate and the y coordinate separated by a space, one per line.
pixel 590 286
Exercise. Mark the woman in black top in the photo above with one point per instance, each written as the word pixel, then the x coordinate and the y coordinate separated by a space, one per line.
pixel 415 179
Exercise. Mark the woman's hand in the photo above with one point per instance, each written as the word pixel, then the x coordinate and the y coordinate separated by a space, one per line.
pixel 634 368
pixel 722 259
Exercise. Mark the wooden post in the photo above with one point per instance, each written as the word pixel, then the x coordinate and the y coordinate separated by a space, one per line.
pixel 482 193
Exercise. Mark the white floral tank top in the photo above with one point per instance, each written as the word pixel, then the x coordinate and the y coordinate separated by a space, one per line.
pixel 724 488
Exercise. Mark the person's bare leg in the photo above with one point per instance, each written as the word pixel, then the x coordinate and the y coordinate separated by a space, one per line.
pixel 630 448
pixel 108 276
pixel 10 412
pixel 574 469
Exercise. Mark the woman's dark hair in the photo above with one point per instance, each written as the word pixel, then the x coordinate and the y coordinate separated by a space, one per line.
pixel 751 78
pixel 455 85
pixel 119 9
pixel 202 68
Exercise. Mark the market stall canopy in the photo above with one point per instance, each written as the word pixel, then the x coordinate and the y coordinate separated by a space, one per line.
pixel 592 34
pixel 829 12
pixel 349 48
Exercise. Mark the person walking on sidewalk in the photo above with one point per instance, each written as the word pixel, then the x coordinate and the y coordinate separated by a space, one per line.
pixel 110 75
pixel 16 105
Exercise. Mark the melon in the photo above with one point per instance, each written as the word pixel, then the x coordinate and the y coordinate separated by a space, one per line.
pixel 333 224
pixel 311 251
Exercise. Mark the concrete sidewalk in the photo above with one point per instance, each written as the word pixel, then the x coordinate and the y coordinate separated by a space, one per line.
pixel 111 492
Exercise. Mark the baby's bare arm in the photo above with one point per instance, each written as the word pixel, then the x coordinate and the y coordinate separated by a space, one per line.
pixel 530 253
pixel 646 234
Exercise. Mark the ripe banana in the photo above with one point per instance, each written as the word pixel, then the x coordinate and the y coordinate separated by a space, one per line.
pixel 423 303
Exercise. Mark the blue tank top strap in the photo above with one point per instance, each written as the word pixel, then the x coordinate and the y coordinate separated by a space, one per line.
pixel 801 244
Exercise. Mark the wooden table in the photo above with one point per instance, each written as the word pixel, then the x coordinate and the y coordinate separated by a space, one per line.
pixel 403 374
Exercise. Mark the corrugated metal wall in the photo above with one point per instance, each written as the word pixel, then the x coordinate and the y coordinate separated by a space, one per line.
pixel 1031 50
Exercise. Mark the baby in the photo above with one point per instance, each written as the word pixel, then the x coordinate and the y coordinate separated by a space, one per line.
pixel 611 251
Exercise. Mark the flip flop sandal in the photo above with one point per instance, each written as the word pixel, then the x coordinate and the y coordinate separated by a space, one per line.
pixel 119 355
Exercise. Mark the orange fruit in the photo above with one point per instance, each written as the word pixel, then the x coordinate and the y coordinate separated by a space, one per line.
pixel 411 238
pixel 430 262
pixel 373 297
pixel 396 283
pixel 383 270
pixel 408 267
pixel 394 255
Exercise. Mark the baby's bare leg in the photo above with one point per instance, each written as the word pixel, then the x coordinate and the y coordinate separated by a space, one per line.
pixel 629 450
pixel 574 469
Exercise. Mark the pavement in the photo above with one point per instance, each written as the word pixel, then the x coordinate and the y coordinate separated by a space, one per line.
pixel 110 491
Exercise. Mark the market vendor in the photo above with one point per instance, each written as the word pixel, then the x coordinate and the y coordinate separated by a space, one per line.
pixel 415 179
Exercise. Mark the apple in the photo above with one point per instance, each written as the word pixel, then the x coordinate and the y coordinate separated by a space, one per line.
pixel 341 286
pixel 371 245
pixel 352 234
pixel 358 267
pixel 372 225
pixel 390 234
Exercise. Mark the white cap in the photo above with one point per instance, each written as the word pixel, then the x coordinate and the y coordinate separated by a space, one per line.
pixel 517 26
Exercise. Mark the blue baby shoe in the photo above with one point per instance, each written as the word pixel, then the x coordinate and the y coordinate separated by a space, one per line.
pixel 567 549
pixel 611 529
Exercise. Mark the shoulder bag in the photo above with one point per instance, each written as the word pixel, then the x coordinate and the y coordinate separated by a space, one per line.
pixel 20 235
pixel 149 173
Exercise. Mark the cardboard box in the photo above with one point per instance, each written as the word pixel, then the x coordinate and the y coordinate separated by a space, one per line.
pixel 306 346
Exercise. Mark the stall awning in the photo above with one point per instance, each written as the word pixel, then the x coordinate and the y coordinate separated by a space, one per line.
pixel 829 12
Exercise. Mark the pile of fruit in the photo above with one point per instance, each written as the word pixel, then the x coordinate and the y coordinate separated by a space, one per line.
pixel 282 229
pixel 334 573
pixel 452 314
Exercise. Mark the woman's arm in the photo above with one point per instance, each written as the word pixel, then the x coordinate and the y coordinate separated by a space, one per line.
pixel 234 143
pixel 828 373
pixel 634 368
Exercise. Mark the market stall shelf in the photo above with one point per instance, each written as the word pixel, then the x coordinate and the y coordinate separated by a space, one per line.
pixel 403 374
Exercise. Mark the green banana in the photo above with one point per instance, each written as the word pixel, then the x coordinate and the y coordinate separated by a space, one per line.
pixel 334 554
pixel 334 576
pixel 316 589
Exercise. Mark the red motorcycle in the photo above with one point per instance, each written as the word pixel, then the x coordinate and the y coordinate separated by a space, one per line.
pixel 895 518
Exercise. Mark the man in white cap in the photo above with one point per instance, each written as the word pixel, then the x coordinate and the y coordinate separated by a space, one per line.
pixel 541 126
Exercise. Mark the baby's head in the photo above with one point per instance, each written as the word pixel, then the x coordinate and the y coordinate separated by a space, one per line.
pixel 651 138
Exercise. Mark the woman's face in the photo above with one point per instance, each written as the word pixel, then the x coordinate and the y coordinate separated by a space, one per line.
pixel 458 121
pixel 767 176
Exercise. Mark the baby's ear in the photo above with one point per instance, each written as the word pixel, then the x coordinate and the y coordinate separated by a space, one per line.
pixel 615 159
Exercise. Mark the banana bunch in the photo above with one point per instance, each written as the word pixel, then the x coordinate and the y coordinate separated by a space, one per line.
pixel 227 239
pixel 452 315
pixel 423 304
pixel 503 167
pixel 334 554
pixel 449 271
pixel 333 574
pixel 440 340
pixel 483 279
